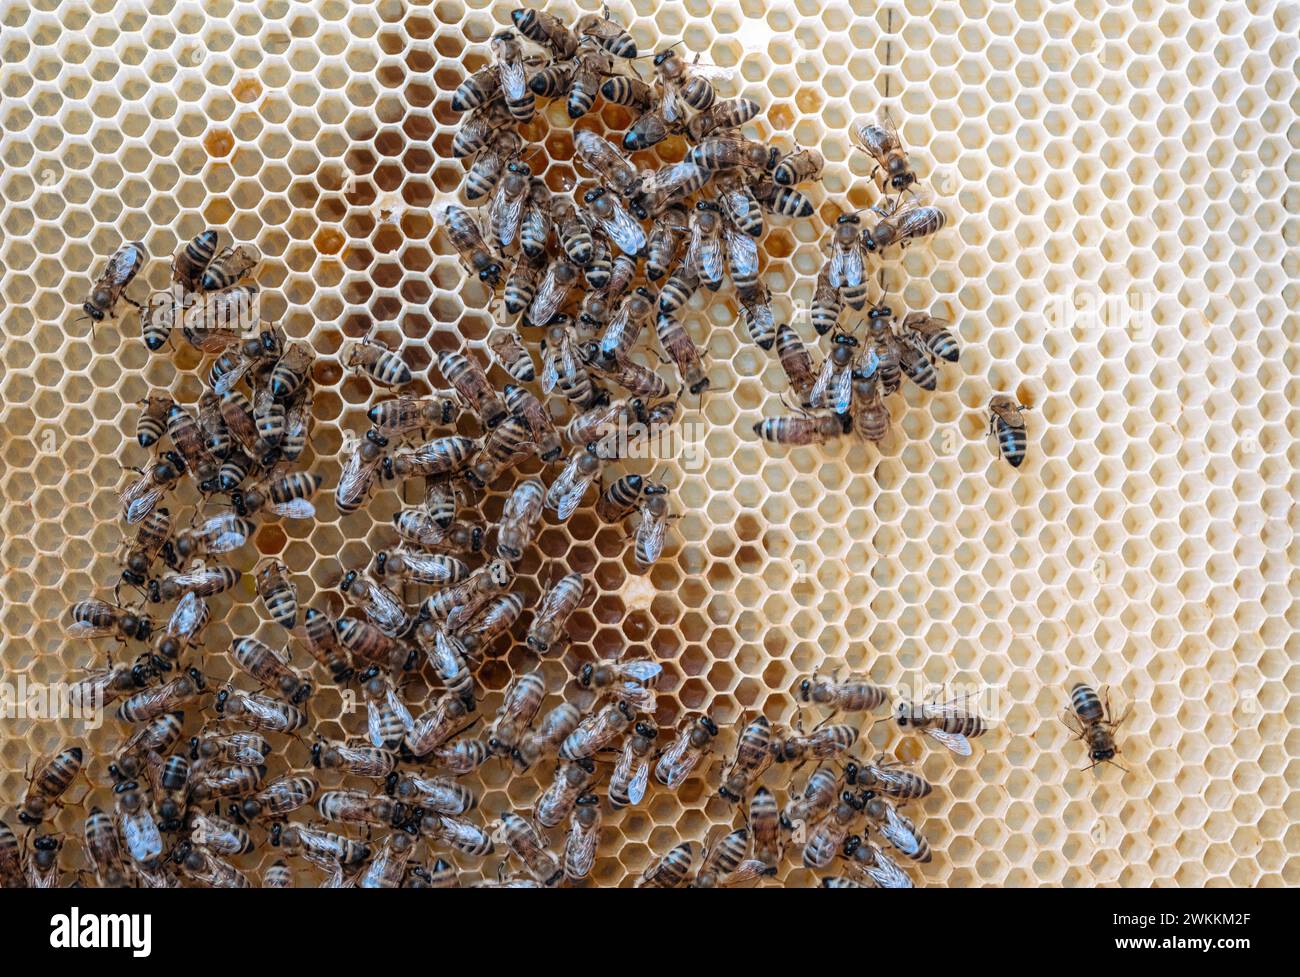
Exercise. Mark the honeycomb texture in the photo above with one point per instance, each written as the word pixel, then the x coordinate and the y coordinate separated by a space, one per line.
pixel 1081 149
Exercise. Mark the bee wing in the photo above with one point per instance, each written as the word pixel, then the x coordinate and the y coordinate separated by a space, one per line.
pixel 227 381
pixel 840 395
pixel 1073 724
pixel 142 838
pixel 514 80
pixel 746 871
pixel 642 670
pixel 635 695
pixel 743 250
pixel 563 483
pixel 508 213
pixel 706 255
pixel 227 535
pixel 385 610
pixel 356 476
pixel 568 503
pixel 650 537
pixel 624 231
pixel 550 371
pixel 636 787
pixel 822 386
pixel 122 266
pixel 84 629
pixel 900 832
pixel 550 296
pixel 142 503
pixel 887 873
pixel 847 266
pixel 580 850
pixel 190 615
pixel 295 509
pixel 953 741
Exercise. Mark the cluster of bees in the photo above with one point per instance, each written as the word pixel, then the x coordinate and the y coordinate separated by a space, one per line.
pixel 185 806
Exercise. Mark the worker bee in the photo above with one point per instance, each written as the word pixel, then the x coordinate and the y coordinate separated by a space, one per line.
pixel 631 773
pixel 448 657
pixel 620 498
pixel 402 415
pixel 420 527
pixel 933 333
pixel 441 456
pixel 739 204
pixel 1089 719
pixel 222 533
pixel 670 871
pixel 823 743
pixel 151 425
pixel 151 538
pixel 142 496
pixel 510 353
pixel 845 269
pixel 608 33
pixel 278 593
pixel 589 67
pixel 1008 423
pixel 730 152
pixel 833 388
pixel 543 28
pixel 359 761
pixel 801 430
pixel 183 628
pixel 470 382
pixel 879 139
pixel 156 736
pixel 914 359
pixel 136 825
pixel 505 214
pixel 511 76
pixel 269 668
pixel 520 518
pixel 202 579
pixel 606 162
pixel 359 807
pixel 947 723
pixel 690 746
pixel 110 286
pixel 572 778
pixel 742 263
pixel 888 777
pixel 437 795
pixel 171 787
pixel 103 847
pixel 729 114
pixel 322 847
pixel 583 838
pixel 191 260
pixel 546 635
pixel 467 239
pixel 279 797
pixel 635 379
pixel 291 370
pixel 826 302
pixel 521 402
pixel 827 838
pixel 523 697
pixel 558 285
pixel 363 459
pixel 765 827
pixel 798 166
pixel 901 221
pixel 507 446
pixel 158 319
pixel 682 84
pixel 384 366
pixel 535 225
pixel 850 695
pixel 216 323
pixel 661 188
pixel 678 289
pixel 682 350
pixel 258 711
pixel 666 235
pixel 377 602
pixel 478 89
pixel 496 616
pixel 624 329
pixel 569 487
pixel 48 782
pixel 368 642
pixel 218 835
pixel 756 313
pixel 870 415
pixel 523 840
pixel 229 267
pixel 871 861
pixel 485 172
pixel 448 715
pixel 479 127
pixel 242 748
pixel 753 757
pixel 388 867
pixel 896 828
pixel 547 737
pixel 785 201
pixel 653 527
pixel 610 216
pixel 796 362
pixel 704 253
pixel 94 618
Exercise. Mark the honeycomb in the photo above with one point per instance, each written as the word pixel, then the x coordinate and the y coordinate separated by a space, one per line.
pixel 1122 190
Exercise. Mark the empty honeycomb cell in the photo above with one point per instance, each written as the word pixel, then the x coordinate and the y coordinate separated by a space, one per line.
pixel 1142 156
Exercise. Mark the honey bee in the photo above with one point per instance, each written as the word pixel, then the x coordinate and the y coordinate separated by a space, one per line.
pixel 897 829
pixel 151 425
pixel 467 239
pixel 278 875
pixel 828 836
pixel 729 114
pixel 478 89
pixel 947 723
pixel 387 719
pixel 95 618
pixel 826 302
pixel 104 848
pixel 259 712
pixel 933 333
pixel 520 518
pixel 402 415
pixel 611 217
pixel 419 527
pixel 753 757
pixel 785 201
pixel 872 862
pixel 170 795
pixel 870 415
pixel 153 737
pixel 853 694
pixel 543 28
pixel 600 157
pixel 845 269
pixel 447 656
pixel 742 263
pixel 435 795
pixel 441 456
pixel 505 447
pixel 583 838
pixel 291 370
pixel 462 757
pixel 511 355
pixel 511 75
pixel 1007 421
pixel 363 459
pixel 142 496
pixel 739 204
pixel 653 526
pixel 535 225
pixel 731 152
pixel 608 33
pixel 322 847
pixel 704 253
pixel 572 778
pixel 48 782
pixel 243 748
pixel 448 716
pixel 229 267
pixel 796 362
pixel 725 863
pixel 575 237
pixel 624 329
pixel 279 797
pixel 914 359
pixel 478 128
pixel 765 828
pixel 546 440
pixel 278 593
pixel 682 350
pixel 833 388
pixel 678 289
pixel 151 538
pixel 216 323
pixel 631 774
pixel 455 833
pixel 269 668
pixel 635 379
pixel 589 67
pixel 902 221
pixel 485 172
pixel 158 319
pixel 756 313
pixel 566 492
pixel 888 777
pixel 801 430
pixel 823 743
pixel 495 617
pixel 558 285
pixel 546 738
pixel 527 845
pixel 366 641
pixel 879 139
pixel 470 382
pixel 136 825
pixel 523 698
pixel 666 234
pixel 384 366
pixel 388 867
pixel 202 579
pixel 798 166
pixel 597 731
pixel 618 501
pixel 190 261
pixel 671 871
pixel 660 189
pixel 681 84
pixel 558 603
pixel 110 287
pixel 1088 718
pixel 686 751
pixel 285 495
pixel 505 214
pixel 107 685
pixel 377 602
pixel 359 807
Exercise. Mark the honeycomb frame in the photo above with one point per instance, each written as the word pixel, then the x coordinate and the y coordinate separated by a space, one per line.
pixel 1090 150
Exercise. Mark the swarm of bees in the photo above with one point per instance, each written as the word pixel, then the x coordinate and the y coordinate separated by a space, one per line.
pixel 192 782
